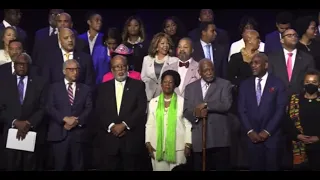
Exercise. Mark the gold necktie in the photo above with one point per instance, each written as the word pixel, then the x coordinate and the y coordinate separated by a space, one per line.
pixel 67 55
pixel 119 93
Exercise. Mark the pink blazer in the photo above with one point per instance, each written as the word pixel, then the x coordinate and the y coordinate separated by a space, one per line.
pixel 132 74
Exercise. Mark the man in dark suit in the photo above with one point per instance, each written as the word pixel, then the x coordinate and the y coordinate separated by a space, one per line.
pixel 120 119
pixel 209 97
pixel 206 15
pixel 15 49
pixel 290 64
pixel 203 48
pixel 48 31
pixel 23 97
pixel 12 18
pixel 283 22
pixel 93 37
pixel 69 105
pixel 262 105
pixel 54 60
pixel 43 47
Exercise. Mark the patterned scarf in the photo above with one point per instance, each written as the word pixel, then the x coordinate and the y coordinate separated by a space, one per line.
pixel 169 153
pixel 299 148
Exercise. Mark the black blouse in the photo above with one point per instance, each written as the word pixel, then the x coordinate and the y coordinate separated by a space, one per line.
pixel 313 49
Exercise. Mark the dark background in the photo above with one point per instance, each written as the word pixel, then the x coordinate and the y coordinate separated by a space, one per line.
pixel 228 19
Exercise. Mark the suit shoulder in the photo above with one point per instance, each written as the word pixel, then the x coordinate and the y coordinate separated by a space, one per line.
pixel 39 79
pixel 276 79
pixel 222 81
pixel 305 55
pixel 194 83
pixel 269 35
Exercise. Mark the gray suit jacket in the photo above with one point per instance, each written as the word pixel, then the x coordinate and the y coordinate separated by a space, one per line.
pixel 191 75
pixel 219 100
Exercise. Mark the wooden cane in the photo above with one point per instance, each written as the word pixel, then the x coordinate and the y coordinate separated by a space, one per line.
pixel 204 142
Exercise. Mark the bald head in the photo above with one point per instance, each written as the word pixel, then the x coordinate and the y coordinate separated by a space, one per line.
pixel 247 34
pixel 204 62
pixel 64 20
pixel 251 39
pixel 53 15
pixel 66 39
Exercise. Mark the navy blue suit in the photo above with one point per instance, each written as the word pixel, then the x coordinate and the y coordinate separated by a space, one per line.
pixel 99 40
pixel 272 43
pixel 68 142
pixel 266 116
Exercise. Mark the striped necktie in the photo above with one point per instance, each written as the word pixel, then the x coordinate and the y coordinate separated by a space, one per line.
pixel 70 93
pixel 258 91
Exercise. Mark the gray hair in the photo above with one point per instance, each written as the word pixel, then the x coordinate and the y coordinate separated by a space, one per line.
pixel 27 57
pixel 69 61
pixel 262 56
pixel 205 60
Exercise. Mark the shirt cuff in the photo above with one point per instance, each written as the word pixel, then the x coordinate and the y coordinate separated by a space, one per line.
pixel 249 131
pixel 109 127
pixel 126 125
pixel 267 132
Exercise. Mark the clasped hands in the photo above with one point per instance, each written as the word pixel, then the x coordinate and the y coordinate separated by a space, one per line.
pixel 151 150
pixel 23 127
pixel 118 129
pixel 70 122
pixel 307 139
pixel 201 111
pixel 258 137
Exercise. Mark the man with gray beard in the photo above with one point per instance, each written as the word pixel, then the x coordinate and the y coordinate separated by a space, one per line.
pixel 120 119
pixel 186 67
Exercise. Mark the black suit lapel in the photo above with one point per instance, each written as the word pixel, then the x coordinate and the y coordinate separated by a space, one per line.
pixel 77 94
pixel 199 51
pixel 252 91
pixel 298 64
pixel 64 93
pixel 265 92
pixel 125 94
pixel 29 91
pixel 282 65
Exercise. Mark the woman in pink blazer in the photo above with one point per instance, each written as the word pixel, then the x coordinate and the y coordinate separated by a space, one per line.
pixel 125 51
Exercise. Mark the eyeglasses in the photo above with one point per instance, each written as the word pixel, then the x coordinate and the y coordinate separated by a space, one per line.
pixel 73 69
pixel 120 67
pixel 290 35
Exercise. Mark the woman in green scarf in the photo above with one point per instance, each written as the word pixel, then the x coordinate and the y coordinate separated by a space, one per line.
pixel 168 133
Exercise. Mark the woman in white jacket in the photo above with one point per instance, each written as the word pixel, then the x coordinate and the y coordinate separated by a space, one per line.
pixel 168 133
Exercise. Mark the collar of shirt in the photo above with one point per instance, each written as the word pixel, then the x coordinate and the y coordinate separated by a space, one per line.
pixel 66 82
pixel 263 77
pixel 64 52
pixel 203 44
pixel 53 29
pixel 6 24
pixel 294 52
pixel 94 39
pixel 25 80
pixel 139 40
pixel 12 67
pixel 203 83
pixel 122 82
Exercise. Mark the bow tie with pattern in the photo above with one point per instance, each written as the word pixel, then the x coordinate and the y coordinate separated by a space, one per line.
pixel 186 64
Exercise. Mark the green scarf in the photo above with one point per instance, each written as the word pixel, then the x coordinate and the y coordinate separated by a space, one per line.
pixel 169 153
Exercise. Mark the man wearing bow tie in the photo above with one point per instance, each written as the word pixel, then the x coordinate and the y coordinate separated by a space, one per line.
pixel 69 105
pixel 187 67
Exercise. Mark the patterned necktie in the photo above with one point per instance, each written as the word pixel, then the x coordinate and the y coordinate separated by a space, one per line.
pixel 208 54
pixel 21 89
pixel 206 87
pixel 258 91
pixel 119 93
pixel 289 66
pixel 70 93
pixel 67 55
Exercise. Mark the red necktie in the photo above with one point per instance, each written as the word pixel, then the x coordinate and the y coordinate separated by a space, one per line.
pixel 186 64
pixel 289 66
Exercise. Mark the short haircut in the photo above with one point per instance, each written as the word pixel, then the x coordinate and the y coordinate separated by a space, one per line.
pixel 204 26
pixel 284 18
pixel 175 76
pixel 90 14
pixel 262 56
pixel 312 72
pixel 16 40
pixel 64 66
pixel 247 20
pixel 27 56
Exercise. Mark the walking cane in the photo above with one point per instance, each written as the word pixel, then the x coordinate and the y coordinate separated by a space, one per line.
pixel 204 141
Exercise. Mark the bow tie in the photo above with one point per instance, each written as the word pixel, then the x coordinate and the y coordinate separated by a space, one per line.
pixel 186 64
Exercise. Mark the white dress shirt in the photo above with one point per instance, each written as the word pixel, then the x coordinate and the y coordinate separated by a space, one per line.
pixel 238 45
pixel 115 88
pixel 293 57
pixel 182 72
pixel 204 44
pixel 91 43
pixel 204 86
pixel 6 24
pixel 52 30
pixel 66 82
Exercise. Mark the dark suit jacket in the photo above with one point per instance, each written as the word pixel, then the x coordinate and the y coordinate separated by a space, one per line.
pixel 132 112
pixel 85 38
pixel 272 42
pixel 269 114
pixel 58 107
pixel 52 71
pixel 22 35
pixel 43 47
pixel 220 57
pixel 32 108
pixel 221 39
pixel 278 67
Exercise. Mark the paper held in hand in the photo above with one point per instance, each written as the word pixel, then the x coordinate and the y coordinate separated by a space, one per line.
pixel 28 144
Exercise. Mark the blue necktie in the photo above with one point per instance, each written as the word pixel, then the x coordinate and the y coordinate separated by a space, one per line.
pixel 21 89
pixel 208 54
pixel 258 91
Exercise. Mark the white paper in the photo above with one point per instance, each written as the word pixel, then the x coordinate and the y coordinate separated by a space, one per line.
pixel 28 144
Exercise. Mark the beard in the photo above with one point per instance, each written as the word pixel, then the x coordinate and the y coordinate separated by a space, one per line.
pixel 183 56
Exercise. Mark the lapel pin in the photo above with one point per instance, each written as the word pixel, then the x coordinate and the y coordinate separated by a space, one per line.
pixel 127 89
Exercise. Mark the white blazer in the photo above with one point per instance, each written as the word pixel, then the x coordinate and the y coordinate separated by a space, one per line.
pixel 148 75
pixel 183 129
